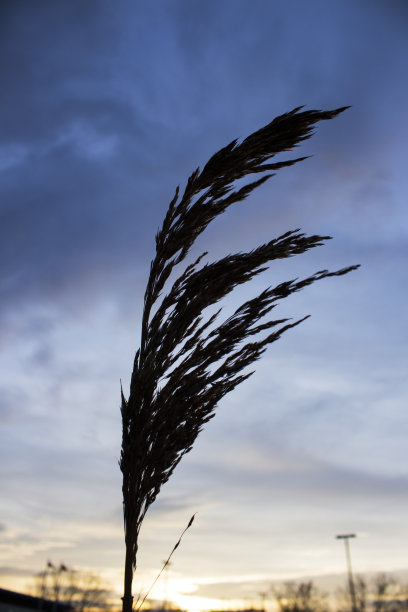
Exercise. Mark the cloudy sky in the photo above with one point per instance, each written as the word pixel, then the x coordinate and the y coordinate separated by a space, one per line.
pixel 106 107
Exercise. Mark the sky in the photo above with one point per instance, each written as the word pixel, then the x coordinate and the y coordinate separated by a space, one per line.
pixel 105 108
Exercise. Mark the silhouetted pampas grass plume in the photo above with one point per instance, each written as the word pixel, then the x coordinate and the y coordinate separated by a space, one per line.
pixel 186 362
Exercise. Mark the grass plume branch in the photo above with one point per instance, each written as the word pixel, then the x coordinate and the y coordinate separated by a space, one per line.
pixel 188 360
pixel 167 561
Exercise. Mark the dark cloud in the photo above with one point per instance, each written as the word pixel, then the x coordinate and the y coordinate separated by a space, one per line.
pixel 95 104
pixel 315 480
pixel 105 111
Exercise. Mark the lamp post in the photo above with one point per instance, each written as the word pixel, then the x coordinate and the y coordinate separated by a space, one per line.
pixel 346 538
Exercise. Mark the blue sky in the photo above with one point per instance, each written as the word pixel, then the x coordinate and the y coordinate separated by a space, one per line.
pixel 105 108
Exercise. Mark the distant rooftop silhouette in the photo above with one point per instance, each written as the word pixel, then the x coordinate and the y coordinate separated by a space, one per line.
pixel 10 601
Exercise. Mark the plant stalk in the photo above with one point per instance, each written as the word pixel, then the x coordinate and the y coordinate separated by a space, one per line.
pixel 127 599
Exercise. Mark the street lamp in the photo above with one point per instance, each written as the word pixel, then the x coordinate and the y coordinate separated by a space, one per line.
pixel 346 537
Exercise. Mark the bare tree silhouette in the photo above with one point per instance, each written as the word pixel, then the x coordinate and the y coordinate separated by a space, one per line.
pixel 82 590
pixel 383 585
pixel 300 597
pixel 186 361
